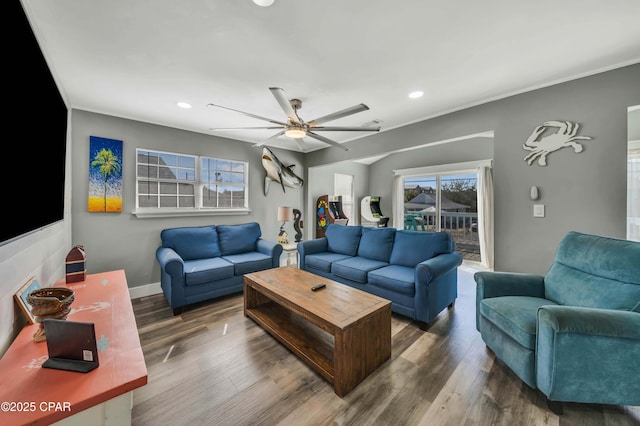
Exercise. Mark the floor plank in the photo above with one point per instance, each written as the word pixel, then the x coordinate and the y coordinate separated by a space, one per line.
pixel 212 366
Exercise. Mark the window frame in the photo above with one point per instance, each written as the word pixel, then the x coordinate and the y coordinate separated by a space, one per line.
pixel 193 177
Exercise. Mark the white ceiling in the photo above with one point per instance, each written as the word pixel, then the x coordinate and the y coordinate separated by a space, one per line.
pixel 136 59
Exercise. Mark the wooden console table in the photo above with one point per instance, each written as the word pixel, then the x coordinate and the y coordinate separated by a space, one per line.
pixel 33 395
pixel 341 332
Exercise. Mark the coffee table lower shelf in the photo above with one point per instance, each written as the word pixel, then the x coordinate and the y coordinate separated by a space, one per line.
pixel 310 343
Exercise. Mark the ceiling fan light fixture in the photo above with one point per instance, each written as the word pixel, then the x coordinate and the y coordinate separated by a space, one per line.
pixel 295 132
pixel 263 3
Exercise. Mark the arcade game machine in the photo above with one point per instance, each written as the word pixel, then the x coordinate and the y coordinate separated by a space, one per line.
pixel 371 213
pixel 329 210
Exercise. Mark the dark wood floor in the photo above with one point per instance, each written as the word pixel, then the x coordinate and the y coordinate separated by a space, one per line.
pixel 213 366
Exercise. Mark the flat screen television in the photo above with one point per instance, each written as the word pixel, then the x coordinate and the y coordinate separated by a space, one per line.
pixel 35 138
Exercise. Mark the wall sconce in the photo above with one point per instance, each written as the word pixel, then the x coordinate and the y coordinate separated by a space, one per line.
pixel 285 214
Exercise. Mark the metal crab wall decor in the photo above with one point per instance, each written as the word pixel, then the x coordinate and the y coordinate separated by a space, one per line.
pixel 540 147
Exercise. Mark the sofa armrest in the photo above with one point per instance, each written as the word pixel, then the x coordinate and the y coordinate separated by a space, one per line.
pixel 270 248
pixel 588 355
pixel 170 262
pixel 319 245
pixel 430 269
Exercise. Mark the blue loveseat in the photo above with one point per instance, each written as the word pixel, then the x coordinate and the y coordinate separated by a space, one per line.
pixel 573 333
pixel 205 262
pixel 416 271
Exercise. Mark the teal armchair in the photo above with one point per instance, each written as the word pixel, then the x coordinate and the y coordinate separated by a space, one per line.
pixel 574 333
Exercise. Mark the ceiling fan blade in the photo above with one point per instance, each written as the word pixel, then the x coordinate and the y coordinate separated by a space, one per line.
pixel 339 114
pixel 259 144
pixel 245 128
pixel 344 129
pixel 325 140
pixel 248 114
pixel 300 143
pixel 278 93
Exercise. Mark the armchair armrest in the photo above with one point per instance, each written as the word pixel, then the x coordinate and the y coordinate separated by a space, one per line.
pixel 318 245
pixel 496 284
pixel 170 262
pixel 270 248
pixel 430 269
pixel 588 355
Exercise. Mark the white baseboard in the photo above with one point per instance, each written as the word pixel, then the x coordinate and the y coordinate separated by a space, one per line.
pixel 144 290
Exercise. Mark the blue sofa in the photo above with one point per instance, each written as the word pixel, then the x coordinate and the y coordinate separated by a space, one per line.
pixel 416 271
pixel 573 333
pixel 205 262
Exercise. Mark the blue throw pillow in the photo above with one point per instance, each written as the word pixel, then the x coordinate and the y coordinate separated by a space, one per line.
pixel 235 239
pixel 343 239
pixel 413 247
pixel 376 243
pixel 191 243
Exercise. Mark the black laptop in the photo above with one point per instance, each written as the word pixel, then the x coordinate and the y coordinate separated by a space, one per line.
pixel 71 345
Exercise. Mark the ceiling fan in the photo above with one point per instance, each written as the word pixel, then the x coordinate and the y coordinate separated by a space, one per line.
pixel 295 127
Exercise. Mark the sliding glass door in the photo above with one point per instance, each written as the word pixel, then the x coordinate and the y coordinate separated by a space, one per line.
pixel 457 201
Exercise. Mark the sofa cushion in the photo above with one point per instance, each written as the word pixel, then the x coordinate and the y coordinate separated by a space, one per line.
pixel 413 247
pixel 376 243
pixel 516 316
pixel 206 270
pixel 252 261
pixel 595 272
pixel 198 242
pixel 323 261
pixel 236 239
pixel 396 278
pixel 343 239
pixel 355 268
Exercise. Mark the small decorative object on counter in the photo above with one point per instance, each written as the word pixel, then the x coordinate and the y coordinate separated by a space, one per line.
pixel 49 303
pixel 76 267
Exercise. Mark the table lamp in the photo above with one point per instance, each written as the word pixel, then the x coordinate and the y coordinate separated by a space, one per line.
pixel 285 214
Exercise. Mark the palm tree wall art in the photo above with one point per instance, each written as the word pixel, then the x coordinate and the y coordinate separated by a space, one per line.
pixel 105 175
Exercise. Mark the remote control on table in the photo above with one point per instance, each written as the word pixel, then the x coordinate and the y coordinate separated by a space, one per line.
pixel 318 287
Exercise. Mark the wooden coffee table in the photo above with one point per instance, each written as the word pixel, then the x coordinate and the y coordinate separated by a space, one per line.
pixel 341 332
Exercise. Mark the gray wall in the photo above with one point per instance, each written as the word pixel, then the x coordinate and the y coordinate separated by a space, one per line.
pixel 123 241
pixel 584 192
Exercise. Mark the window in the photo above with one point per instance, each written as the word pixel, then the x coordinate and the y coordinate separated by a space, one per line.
pixel 174 184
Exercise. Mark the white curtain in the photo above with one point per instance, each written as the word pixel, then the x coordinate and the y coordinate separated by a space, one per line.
pixel 633 191
pixel 485 214
pixel 397 208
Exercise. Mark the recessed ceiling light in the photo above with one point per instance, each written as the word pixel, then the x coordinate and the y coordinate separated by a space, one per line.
pixel 263 3
pixel 184 105
pixel 417 94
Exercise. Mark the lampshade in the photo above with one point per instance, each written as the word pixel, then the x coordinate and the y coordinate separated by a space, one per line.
pixel 285 214
pixel 295 132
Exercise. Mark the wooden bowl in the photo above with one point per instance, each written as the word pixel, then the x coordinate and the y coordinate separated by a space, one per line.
pixel 50 302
